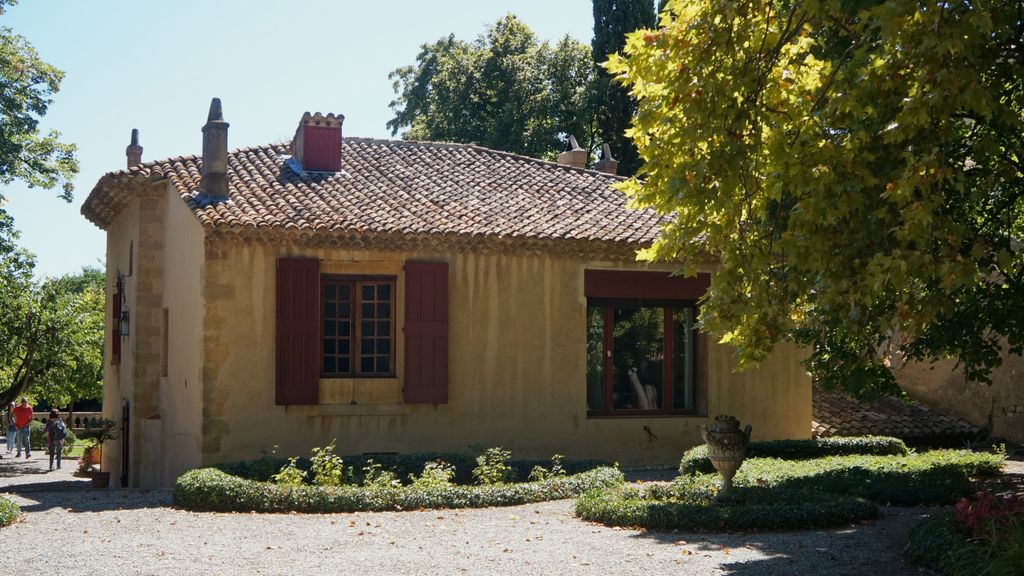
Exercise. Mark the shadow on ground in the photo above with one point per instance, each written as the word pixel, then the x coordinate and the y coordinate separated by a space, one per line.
pixel 839 551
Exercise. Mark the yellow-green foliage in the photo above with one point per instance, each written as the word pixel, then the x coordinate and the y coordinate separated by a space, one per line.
pixel 855 167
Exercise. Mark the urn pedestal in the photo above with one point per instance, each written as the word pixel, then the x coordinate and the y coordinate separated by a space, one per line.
pixel 727 448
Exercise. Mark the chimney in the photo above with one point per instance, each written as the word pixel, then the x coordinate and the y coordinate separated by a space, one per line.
pixel 134 151
pixel 607 164
pixel 317 143
pixel 574 155
pixel 214 187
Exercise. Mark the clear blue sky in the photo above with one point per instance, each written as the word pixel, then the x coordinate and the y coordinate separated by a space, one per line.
pixel 155 65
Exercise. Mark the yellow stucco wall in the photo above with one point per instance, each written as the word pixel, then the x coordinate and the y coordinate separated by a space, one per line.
pixel 118 381
pixel 516 369
pixel 180 389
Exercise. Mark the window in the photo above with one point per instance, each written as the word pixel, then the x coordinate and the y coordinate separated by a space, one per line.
pixel 642 356
pixel 644 352
pixel 357 326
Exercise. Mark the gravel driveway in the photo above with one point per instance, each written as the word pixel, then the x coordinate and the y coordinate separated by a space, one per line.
pixel 71 529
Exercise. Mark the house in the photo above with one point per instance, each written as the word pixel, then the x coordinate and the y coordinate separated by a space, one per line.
pixel 402 296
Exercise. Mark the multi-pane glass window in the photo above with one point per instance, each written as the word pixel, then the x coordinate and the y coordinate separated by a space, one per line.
pixel 641 357
pixel 357 327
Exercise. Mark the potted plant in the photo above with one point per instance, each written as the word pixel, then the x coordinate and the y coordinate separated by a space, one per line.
pixel 93 455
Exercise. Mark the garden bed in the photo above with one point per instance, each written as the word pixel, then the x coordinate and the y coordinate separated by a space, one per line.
pixel 773 493
pixel 326 483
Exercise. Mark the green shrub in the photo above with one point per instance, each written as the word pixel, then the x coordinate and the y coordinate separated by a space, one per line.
pixel 696 459
pixel 492 467
pixel 557 469
pixel 935 477
pixel 776 494
pixel 436 475
pixel 328 469
pixel 404 466
pixel 750 508
pixel 935 543
pixel 210 489
pixel 289 475
pixel 9 511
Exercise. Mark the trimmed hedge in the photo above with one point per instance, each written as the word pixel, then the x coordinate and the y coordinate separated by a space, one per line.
pixel 696 459
pixel 755 508
pixel 402 465
pixel 935 543
pixel 774 494
pixel 209 489
pixel 9 511
pixel 935 477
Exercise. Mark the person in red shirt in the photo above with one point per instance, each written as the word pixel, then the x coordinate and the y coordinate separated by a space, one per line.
pixel 22 421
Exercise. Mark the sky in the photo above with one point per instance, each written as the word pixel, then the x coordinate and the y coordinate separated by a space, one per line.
pixel 156 65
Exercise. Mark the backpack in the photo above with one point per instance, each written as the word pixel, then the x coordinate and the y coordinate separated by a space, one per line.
pixel 60 431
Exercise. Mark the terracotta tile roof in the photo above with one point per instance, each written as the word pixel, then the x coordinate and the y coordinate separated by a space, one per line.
pixel 399 189
pixel 835 414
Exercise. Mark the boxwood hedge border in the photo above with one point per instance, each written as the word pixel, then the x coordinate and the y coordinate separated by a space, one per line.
pixel 750 509
pixel 213 490
pixel 696 459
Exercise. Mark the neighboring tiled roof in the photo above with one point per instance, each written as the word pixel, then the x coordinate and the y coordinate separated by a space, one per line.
pixel 400 191
pixel 835 414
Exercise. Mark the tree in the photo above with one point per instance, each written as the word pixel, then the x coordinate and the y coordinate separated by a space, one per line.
pixel 855 168
pixel 613 19
pixel 27 85
pixel 505 91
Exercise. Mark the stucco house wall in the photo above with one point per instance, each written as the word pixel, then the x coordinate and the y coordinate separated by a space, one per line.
pixel 517 369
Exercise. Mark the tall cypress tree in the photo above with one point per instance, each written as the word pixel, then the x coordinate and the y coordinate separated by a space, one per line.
pixel 613 19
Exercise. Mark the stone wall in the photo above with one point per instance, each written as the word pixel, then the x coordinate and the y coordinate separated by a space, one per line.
pixel 944 387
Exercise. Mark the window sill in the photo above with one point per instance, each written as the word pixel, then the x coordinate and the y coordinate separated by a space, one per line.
pixel 356 410
pixel 635 415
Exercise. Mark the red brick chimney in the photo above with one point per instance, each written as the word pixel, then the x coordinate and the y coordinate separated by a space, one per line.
pixel 317 143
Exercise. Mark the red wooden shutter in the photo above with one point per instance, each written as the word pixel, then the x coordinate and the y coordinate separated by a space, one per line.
pixel 426 333
pixel 298 358
pixel 115 341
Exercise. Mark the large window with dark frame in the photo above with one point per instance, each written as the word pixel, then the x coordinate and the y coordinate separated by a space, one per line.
pixel 642 357
pixel 357 326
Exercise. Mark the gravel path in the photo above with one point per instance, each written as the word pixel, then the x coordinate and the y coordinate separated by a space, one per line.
pixel 70 528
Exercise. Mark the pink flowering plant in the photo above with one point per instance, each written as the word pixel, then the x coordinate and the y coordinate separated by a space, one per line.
pixel 988 518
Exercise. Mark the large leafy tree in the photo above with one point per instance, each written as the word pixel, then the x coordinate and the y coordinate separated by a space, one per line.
pixel 856 167
pixel 46 328
pixel 613 19
pixel 52 345
pixel 505 90
pixel 27 85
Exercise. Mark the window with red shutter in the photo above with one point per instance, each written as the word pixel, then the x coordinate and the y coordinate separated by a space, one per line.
pixel 297 371
pixel 426 333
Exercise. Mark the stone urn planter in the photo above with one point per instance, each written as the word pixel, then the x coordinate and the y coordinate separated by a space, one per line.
pixel 727 448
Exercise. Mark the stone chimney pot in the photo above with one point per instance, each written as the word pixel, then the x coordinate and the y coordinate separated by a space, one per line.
pixel 134 151
pixel 214 186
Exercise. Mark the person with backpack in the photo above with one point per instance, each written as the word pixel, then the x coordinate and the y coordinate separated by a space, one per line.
pixel 56 432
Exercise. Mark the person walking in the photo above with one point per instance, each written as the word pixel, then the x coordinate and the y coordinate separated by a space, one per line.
pixel 12 430
pixel 56 432
pixel 23 422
